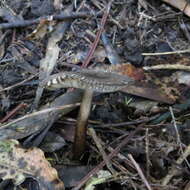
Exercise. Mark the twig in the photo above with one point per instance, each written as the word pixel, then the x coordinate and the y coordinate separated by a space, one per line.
pixel 139 121
pixel 115 161
pixel 120 156
pixel 167 53
pixel 174 170
pixel 13 112
pixel 94 45
pixel 60 17
pixel 123 159
pixel 177 134
pixel 175 126
pixel 147 154
pixel 169 66
pixel 18 84
pixel 139 172
pixel 110 156
pixel 97 141
pixel 80 132
pixel 44 111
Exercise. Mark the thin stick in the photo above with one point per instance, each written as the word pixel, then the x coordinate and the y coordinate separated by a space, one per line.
pixel 13 112
pixel 110 156
pixel 122 124
pixel 139 172
pixel 168 52
pixel 61 17
pixel 97 141
pixel 43 111
pixel 147 153
pixel 174 170
pixel 169 66
pixel 177 134
pixel 18 84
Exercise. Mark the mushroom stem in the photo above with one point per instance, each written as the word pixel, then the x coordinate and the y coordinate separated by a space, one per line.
pixel 82 121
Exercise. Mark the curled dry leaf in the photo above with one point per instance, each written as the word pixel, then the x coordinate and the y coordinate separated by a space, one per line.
pixel 129 70
pixel 17 163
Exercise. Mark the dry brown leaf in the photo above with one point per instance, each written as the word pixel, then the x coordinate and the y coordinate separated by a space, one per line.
pixel 129 70
pixel 17 163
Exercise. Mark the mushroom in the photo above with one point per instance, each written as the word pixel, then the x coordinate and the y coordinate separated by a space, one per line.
pixel 91 81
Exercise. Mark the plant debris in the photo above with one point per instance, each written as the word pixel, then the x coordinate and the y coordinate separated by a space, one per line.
pixel 17 164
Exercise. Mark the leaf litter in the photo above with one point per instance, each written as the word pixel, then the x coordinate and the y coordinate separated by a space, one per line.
pixel 145 40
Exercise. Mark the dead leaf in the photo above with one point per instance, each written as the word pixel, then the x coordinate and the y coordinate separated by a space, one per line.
pixel 34 122
pixel 129 70
pixel 48 63
pixel 123 69
pixel 149 91
pixel 17 163
pixel 52 142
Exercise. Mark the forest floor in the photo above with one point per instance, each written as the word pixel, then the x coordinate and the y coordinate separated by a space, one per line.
pixel 136 137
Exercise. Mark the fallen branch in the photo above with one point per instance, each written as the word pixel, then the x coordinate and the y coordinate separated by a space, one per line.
pixel 60 17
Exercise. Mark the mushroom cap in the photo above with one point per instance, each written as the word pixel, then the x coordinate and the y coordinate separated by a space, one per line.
pixel 99 81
